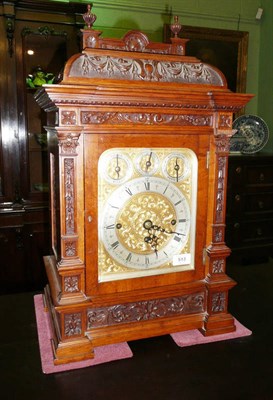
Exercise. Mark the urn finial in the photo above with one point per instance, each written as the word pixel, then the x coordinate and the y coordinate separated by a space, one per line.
pixel 176 26
pixel 89 18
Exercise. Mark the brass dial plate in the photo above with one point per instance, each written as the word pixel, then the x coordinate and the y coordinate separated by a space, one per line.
pixel 146 220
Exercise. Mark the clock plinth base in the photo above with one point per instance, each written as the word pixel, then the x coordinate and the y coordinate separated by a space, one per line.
pixel 70 350
pixel 218 324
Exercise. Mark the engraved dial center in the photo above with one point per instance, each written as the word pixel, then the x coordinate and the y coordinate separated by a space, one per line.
pixel 143 212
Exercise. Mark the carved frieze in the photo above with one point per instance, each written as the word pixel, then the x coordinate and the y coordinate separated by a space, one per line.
pixel 88 117
pixel 109 67
pixel 145 310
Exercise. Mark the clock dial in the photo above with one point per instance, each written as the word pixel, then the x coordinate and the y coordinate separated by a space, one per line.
pixel 145 223
pixel 115 167
pixel 176 167
pixel 147 162
pixel 147 212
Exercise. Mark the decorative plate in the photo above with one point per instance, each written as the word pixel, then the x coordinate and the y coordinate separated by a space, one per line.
pixel 251 136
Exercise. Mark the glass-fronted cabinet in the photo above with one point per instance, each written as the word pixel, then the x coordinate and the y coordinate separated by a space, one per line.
pixel 44 52
pixel 38 38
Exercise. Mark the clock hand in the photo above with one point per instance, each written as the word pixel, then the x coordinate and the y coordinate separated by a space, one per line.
pixel 149 226
pixel 117 169
pixel 176 168
pixel 148 162
pixel 152 239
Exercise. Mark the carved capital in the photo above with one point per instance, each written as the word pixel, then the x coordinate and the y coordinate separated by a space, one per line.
pixel 68 143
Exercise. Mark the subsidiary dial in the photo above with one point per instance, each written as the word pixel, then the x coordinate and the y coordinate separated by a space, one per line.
pixel 176 167
pixel 115 167
pixel 147 162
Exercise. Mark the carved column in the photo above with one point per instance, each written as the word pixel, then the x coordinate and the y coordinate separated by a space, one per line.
pixel 218 283
pixel 70 261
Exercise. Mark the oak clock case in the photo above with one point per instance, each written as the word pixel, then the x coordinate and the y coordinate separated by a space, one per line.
pixel 147 212
pixel 139 151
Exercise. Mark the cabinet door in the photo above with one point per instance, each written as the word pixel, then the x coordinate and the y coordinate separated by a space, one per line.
pixel 42 50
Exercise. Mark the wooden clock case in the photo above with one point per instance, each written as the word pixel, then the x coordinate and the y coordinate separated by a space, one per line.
pixel 134 93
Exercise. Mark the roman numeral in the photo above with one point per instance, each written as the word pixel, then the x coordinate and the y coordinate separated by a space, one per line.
pixel 166 188
pixel 176 204
pixel 115 245
pixel 111 205
pixel 182 220
pixel 112 226
pixel 147 185
pixel 128 190
pixel 177 238
pixel 129 257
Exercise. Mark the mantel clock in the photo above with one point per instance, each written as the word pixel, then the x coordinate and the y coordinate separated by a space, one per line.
pixel 138 170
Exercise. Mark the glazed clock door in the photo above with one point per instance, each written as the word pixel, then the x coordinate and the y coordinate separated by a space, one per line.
pixel 143 227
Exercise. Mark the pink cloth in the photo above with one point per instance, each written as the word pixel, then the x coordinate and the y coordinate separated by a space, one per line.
pixel 190 338
pixel 113 352
pixel 103 354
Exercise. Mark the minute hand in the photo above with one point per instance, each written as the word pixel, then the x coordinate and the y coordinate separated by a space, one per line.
pixel 163 230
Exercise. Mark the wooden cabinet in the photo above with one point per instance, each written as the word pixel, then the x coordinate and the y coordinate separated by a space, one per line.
pixel 138 161
pixel 249 230
pixel 35 36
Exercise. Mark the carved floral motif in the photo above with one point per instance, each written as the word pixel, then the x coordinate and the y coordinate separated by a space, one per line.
pixel 68 144
pixel 68 118
pixel 69 194
pixel 218 234
pixel 145 310
pixel 218 266
pixel 225 121
pixel 218 302
pixel 71 284
pixel 220 190
pixel 70 248
pixel 72 324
